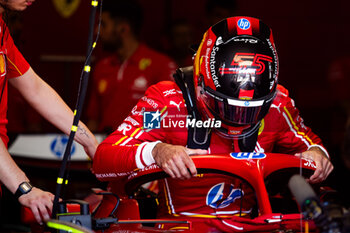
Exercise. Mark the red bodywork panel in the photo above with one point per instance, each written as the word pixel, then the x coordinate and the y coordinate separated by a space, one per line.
pixel 254 168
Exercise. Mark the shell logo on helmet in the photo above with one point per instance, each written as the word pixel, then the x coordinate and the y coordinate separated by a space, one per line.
pixel 219 41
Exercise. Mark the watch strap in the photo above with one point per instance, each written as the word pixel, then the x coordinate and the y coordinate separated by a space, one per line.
pixel 23 188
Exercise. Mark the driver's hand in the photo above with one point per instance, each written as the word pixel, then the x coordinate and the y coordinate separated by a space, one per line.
pixel 323 164
pixel 176 160
pixel 40 202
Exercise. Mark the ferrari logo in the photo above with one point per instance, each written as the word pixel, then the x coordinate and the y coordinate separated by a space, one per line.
pixel 66 8
pixel 262 126
pixel 102 86
pixel 144 63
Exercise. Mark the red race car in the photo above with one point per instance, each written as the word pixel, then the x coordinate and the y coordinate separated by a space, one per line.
pixel 266 173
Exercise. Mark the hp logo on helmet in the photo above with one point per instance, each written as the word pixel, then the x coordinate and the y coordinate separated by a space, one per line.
pixel 243 24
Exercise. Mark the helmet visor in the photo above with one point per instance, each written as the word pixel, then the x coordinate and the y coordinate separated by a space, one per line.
pixel 234 111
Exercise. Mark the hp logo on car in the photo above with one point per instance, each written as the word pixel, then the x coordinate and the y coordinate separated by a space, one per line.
pixel 247 155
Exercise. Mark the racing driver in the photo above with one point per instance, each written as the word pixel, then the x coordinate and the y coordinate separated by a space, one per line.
pixel 228 102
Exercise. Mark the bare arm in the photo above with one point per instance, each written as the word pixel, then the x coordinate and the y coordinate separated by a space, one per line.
pixel 40 202
pixel 51 106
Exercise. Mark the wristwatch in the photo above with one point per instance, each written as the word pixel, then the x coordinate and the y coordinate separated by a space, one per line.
pixel 23 188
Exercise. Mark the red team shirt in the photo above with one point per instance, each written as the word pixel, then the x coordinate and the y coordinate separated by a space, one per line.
pixel 117 86
pixel 12 65
pixel 130 146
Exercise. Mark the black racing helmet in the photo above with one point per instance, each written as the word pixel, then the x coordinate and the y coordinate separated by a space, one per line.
pixel 235 74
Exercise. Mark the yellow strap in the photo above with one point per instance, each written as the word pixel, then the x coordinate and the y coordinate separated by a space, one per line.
pixel 59 180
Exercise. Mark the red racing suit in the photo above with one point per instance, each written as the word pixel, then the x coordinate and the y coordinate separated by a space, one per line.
pixel 207 195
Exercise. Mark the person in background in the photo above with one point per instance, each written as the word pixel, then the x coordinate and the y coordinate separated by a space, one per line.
pixel 180 34
pixel 15 70
pixel 121 78
pixel 179 42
